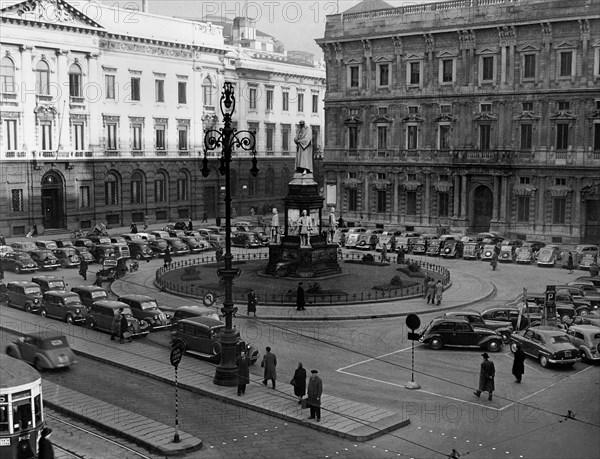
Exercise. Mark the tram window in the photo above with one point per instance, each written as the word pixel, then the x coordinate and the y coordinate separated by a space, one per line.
pixel 37 404
pixel 3 418
pixel 22 415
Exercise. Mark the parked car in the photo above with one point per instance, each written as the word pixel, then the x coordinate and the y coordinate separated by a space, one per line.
pixel 24 246
pixel 85 254
pixel 140 250
pixel 133 237
pixel 535 246
pixel 88 294
pixel 593 318
pixel 532 315
pixel 385 238
pixel 488 251
pixel 158 246
pixel 434 248
pixel 83 242
pixel 507 254
pixel 98 238
pixel 581 297
pixel 45 350
pixel 19 262
pixel 477 320
pixel 547 256
pixel 471 251
pixel 102 313
pixel 421 245
pixel 3 294
pixel 4 249
pixel 63 305
pixel 565 310
pixel 456 331
pixel 146 308
pixel 453 249
pixel 368 240
pixel 584 249
pixel 588 260
pixel 177 246
pixel 525 255
pixel 587 286
pixel 593 279
pixel 353 236
pixel 184 312
pixel 197 245
pixel 50 245
pixel 245 239
pixel 549 345
pixel 24 295
pixel 49 283
pixel 160 234
pixel 201 336
pixel 62 243
pixel 407 241
pixel 121 249
pixel 587 339
pixel 68 257
pixel 176 225
pixel 102 252
pixel 45 259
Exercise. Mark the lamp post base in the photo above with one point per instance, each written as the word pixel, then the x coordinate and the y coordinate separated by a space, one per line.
pixel 412 385
pixel 225 377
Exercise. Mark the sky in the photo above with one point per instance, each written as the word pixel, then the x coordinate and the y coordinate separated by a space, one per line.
pixel 296 23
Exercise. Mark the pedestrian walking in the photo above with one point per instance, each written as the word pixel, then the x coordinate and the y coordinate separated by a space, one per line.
pixel 315 390
pixel 45 448
pixel 115 328
pixel 300 301
pixel 190 225
pixel 393 244
pixel 384 257
pixel 570 263
pixel 252 301
pixel 430 291
pixel 219 254
pixel 168 259
pixel 242 364
pixel 299 382
pixel 204 217
pixel 494 261
pixel 401 253
pixel 133 228
pixel 439 292
pixel 83 267
pixel 486 376
pixel 2 239
pixel 124 329
pixel 269 362
pixel 518 368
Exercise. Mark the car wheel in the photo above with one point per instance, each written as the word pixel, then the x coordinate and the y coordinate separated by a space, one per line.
pixel 494 346
pixel 43 313
pixel 18 270
pixel 566 319
pixel 246 245
pixel 513 347
pixel 138 256
pixel 63 263
pixel 436 344
pixel 28 307
pixel 505 337
pixel 544 361
pixel 584 357
pixel 92 324
pixel 69 319
pixel 583 312
pixel 38 365
pixel 11 353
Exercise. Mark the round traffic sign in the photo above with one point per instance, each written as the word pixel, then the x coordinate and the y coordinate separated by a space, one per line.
pixel 413 322
pixel 176 355
pixel 209 299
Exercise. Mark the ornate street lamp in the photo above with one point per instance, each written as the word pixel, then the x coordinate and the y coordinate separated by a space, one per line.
pixel 227 138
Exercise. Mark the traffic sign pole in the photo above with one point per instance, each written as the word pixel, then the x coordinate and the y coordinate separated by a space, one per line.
pixel 176 355
pixel 413 322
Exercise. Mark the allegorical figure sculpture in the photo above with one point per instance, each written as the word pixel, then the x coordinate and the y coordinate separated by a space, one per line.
pixel 275 227
pixel 304 149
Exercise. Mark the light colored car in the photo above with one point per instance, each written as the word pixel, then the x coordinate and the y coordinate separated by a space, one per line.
pixel 549 345
pixel 44 350
pixel 547 256
pixel 353 235
pixel 525 255
pixel 587 339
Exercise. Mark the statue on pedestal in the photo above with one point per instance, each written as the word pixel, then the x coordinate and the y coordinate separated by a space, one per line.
pixel 275 227
pixel 304 150
pixel 332 224
pixel 305 228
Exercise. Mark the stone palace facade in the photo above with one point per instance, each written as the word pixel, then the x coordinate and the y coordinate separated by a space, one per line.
pixel 103 112
pixel 466 116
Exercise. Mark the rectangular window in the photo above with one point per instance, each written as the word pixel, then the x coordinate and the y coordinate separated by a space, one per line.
pixel 136 192
pixel 109 82
pixel 159 137
pixel 526 136
pixel 563 105
pixel 270 130
pixel 182 189
pixel 159 90
pixel 354 76
pixel 523 208
pixel 182 138
pixel 529 66
pixel 270 95
pixel 352 199
pixel 136 141
pixel 382 137
pixel 560 181
pixel 182 92
pixel 566 62
pixel 315 103
pixel 300 102
pixel 527 106
pixel 111 136
pixel 10 135
pixel 559 207
pixel 562 136
pixel 381 176
pixel 74 84
pixel 252 98
pixel 384 74
pixel 485 108
pixel 487 70
pixel 285 103
pixel 160 190
pixel 443 204
pixel 411 203
pixel 411 138
pixel 446 108
pixel 352 137
pixel 413 109
pixel 110 193
pixel 524 180
pixel 207 95
pixel 17 200
pixel 46 131
pixel 485 142
pixel 285 138
pixel 381 201
pixel 135 89
pixel 78 138
pixel 447 70
pixel 444 137
pixel 84 197
pixel 415 73
pixel 597 137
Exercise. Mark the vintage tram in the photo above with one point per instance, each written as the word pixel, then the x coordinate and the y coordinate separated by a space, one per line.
pixel 21 409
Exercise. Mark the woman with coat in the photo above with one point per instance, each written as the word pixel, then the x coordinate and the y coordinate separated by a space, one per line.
pixel 299 382
pixel 439 292
pixel 570 263
pixel 518 367
pixel 168 258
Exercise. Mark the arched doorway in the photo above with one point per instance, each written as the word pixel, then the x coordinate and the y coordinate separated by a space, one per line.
pixel 53 203
pixel 483 202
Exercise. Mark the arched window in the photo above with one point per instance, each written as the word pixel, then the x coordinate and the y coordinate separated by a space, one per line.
pixel 137 188
pixel 75 81
pixel 7 75
pixel 161 190
pixel 111 190
pixel 42 79
pixel 183 186
pixel 270 182
pixel 207 92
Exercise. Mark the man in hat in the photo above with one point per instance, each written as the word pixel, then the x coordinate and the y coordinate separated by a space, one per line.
pixel 45 449
pixel 315 390
pixel 304 149
pixel 486 376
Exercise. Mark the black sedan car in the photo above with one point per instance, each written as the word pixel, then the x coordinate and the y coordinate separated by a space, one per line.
pixel 549 345
pixel 450 331
pixel 43 350
pixel 246 239
pixel 177 246
pixel 45 259
pixel 68 257
pixel 19 262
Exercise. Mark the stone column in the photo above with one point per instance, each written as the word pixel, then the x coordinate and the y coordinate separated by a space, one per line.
pixel 463 198
pixel 502 64
pixel 62 103
pixel 576 220
pixel 338 193
pixel 496 193
pixel 541 201
pixel 94 107
pixel 28 100
pixel 456 197
pixel 426 212
pixel 365 208
pixel 396 200
pixel 503 198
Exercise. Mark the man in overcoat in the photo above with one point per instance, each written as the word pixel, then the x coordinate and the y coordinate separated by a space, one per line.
pixel 300 302
pixel 486 376
pixel 315 390
pixel 299 382
pixel 242 364
pixel 269 363
pixel 518 367
pixel 252 302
